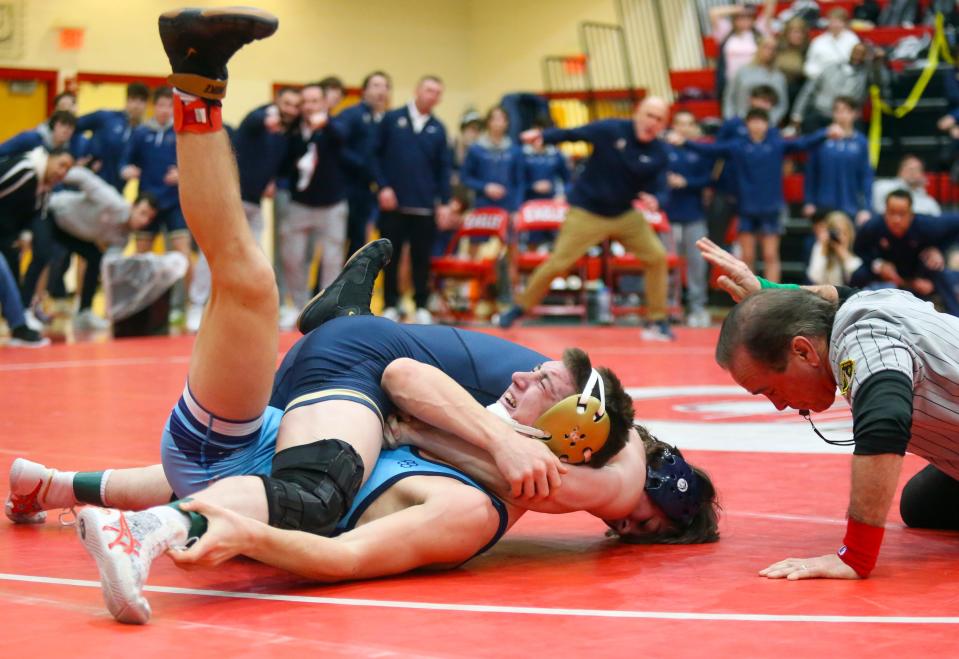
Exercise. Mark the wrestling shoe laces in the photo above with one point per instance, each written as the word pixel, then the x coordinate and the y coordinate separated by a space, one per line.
pixel 351 291
pixel 200 42
pixel 124 546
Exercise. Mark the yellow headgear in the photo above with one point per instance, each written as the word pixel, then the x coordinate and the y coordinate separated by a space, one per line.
pixel 576 427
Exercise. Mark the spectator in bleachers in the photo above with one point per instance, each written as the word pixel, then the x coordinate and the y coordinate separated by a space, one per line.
pixel 111 131
pixel 412 169
pixel 736 99
pixel 628 160
pixel 757 163
pixel 54 133
pixel 737 33
pixel 25 183
pixel 814 105
pixel 911 176
pixel 65 102
pixel 150 157
pixel 318 210
pixel 493 168
pixel 725 204
pixel 838 174
pixel 471 127
pixel 87 219
pixel 59 131
pixel 360 123
pixel 834 46
pixel 21 334
pixel 832 261
pixel 905 249
pixel 545 170
pixel 688 175
pixel 791 55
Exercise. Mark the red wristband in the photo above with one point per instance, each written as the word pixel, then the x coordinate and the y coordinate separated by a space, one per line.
pixel 196 116
pixel 860 548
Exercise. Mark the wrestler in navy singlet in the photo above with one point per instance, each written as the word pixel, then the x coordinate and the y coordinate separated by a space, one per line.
pixel 342 359
pixel 346 357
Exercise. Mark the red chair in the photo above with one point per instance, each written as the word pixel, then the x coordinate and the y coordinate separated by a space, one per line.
pixel 459 269
pixel 548 215
pixel 629 264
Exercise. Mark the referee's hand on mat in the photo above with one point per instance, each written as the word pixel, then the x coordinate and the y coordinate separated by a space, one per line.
pixel 737 279
pixel 829 566
pixel 529 467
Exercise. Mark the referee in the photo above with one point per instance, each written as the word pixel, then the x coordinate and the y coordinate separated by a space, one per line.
pixel 893 357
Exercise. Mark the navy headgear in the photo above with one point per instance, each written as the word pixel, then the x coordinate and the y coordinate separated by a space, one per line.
pixel 674 487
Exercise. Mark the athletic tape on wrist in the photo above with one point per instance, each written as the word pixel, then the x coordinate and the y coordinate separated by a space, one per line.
pixel 860 549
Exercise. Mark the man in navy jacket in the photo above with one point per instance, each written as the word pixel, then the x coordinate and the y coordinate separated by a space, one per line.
pixel 906 250
pixel 111 131
pixel 56 132
pixel 412 169
pixel 359 123
pixel 689 174
pixel 261 143
pixel 318 209
pixel 628 161
pixel 150 156
pixel 838 173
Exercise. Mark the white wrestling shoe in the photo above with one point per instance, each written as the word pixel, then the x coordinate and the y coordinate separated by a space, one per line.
pixel 34 489
pixel 28 481
pixel 124 546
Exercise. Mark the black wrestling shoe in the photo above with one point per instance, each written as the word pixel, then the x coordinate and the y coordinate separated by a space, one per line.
pixel 352 290
pixel 199 43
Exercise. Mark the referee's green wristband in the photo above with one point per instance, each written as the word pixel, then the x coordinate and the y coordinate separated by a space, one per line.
pixel 765 283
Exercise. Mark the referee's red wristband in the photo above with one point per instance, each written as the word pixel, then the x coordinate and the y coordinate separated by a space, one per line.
pixel 860 548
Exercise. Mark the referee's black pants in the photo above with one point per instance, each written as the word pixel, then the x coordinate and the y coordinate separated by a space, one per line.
pixel 419 231
pixel 930 500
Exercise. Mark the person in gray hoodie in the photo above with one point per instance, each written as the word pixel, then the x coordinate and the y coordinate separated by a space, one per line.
pixel 88 220
pixel 813 107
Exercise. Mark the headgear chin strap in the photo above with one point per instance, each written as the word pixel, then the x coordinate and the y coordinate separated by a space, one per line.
pixel 674 487
pixel 576 427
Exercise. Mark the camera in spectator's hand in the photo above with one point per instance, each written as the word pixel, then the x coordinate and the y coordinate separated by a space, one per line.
pixel 833 236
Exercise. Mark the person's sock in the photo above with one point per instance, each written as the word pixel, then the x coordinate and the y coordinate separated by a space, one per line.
pixel 192 114
pixel 195 524
pixel 86 486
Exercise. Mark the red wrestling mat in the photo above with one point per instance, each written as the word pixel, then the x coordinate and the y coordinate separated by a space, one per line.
pixel 553 587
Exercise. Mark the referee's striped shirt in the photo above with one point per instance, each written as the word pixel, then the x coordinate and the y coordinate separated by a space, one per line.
pixel 890 329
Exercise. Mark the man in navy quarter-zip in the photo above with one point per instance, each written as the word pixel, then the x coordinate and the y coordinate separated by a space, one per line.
pixel 412 169
pixel 151 157
pixel 318 210
pixel 838 173
pixel 359 123
pixel 261 143
pixel 111 131
pixel 628 161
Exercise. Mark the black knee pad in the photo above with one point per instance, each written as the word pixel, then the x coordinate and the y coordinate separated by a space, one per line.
pixel 312 486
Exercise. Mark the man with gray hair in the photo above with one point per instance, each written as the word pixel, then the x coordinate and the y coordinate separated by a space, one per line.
pixel 893 357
